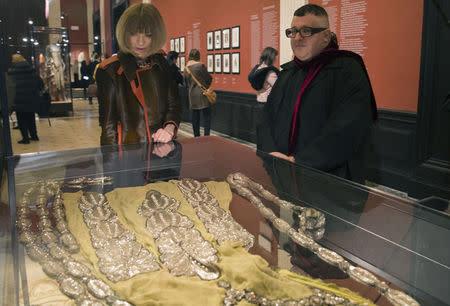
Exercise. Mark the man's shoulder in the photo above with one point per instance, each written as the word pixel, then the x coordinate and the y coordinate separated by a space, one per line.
pixel 287 66
pixel 348 62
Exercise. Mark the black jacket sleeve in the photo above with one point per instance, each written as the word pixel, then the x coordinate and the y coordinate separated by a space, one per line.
pixel 106 94
pixel 348 126
pixel 265 138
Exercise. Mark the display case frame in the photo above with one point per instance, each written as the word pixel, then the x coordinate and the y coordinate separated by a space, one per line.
pixel 397 239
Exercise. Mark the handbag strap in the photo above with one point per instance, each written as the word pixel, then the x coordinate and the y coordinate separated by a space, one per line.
pixel 195 79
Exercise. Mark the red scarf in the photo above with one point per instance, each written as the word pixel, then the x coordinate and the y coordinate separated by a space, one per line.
pixel 314 65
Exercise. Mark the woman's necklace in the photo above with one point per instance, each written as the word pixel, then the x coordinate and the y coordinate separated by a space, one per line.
pixel 142 63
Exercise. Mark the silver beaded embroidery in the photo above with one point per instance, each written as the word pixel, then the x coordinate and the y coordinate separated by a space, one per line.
pixel 120 256
pixel 54 255
pixel 243 186
pixel 318 297
pixel 216 220
pixel 182 248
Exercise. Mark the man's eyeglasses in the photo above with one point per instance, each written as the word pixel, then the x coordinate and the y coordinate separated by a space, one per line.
pixel 304 31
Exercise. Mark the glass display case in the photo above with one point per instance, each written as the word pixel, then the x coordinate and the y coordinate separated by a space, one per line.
pixel 291 226
pixel 51 54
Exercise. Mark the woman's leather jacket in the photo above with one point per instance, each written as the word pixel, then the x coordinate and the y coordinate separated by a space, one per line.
pixel 135 102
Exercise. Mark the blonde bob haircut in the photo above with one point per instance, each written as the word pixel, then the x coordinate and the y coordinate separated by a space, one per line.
pixel 141 18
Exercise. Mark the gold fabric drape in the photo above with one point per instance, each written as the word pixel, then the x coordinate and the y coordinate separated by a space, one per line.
pixel 240 268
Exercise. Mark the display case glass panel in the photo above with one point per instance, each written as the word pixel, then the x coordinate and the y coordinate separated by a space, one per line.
pixel 401 243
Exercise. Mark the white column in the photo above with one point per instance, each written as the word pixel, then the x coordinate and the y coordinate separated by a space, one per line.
pixel 102 25
pixel 54 19
pixel 287 9
pixel 90 27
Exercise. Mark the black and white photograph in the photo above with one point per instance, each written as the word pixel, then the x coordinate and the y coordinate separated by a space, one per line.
pixel 235 65
pixel 210 63
pixel 218 39
pixel 178 62
pixel 226 38
pixel 172 44
pixel 177 44
pixel 235 37
pixel 182 63
pixel 226 63
pixel 218 63
pixel 182 45
pixel 209 41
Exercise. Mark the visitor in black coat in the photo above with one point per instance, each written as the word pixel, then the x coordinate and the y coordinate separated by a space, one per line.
pixel 320 111
pixel 172 57
pixel 85 77
pixel 26 85
pixel 92 65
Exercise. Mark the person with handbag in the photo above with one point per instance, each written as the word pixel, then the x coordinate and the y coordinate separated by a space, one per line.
pixel 92 88
pixel 198 82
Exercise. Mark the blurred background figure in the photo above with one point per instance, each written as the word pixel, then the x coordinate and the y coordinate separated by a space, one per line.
pixel 92 88
pixel 24 87
pixel 172 57
pixel 198 102
pixel 264 75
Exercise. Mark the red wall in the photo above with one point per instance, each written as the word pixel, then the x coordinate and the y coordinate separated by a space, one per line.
pixel 76 11
pixel 108 30
pixel 392 39
pixel 180 16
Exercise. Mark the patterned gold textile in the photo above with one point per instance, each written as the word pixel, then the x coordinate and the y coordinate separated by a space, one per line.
pixel 238 267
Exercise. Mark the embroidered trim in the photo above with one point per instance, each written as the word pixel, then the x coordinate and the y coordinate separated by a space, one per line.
pixel 120 256
pixel 216 220
pixel 319 297
pixel 182 248
pixel 53 250
pixel 243 185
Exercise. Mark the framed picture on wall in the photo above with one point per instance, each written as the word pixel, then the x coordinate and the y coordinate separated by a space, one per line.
pixel 210 63
pixel 172 44
pixel 218 63
pixel 226 62
pixel 235 37
pixel 235 66
pixel 179 61
pixel 177 44
pixel 226 38
pixel 217 39
pixel 209 41
pixel 182 45
pixel 182 63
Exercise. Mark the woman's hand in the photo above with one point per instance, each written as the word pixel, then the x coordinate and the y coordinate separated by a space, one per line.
pixel 283 156
pixel 163 149
pixel 164 135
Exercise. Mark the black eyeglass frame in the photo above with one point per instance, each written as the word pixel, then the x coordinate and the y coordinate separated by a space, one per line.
pixel 295 30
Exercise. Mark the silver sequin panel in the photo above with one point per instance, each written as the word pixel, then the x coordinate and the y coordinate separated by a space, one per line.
pixel 216 220
pixel 182 248
pixel 120 256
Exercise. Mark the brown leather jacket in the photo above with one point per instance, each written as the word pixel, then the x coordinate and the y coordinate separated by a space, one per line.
pixel 135 102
